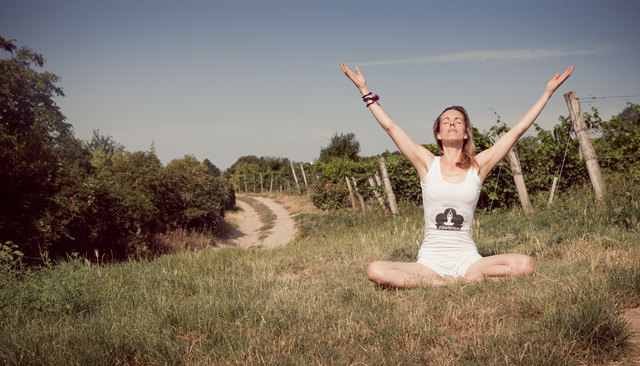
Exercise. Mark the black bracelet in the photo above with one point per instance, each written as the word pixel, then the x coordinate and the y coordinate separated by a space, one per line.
pixel 366 95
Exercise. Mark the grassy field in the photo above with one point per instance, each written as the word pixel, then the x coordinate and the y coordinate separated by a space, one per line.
pixel 309 303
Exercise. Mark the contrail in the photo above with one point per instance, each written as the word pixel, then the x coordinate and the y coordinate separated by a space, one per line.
pixel 488 55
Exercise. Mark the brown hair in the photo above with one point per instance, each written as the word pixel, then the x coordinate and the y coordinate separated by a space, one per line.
pixel 468 146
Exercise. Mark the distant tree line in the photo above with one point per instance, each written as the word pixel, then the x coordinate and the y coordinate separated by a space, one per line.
pixel 59 194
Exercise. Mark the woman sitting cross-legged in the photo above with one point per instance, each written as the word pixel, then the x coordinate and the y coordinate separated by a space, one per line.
pixel 451 185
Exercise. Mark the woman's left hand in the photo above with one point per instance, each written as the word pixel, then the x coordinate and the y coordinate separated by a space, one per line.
pixel 558 79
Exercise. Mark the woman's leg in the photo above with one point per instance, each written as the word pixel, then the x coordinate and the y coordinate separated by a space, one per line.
pixel 501 266
pixel 403 274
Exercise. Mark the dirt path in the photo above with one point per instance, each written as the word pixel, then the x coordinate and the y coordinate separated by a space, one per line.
pixel 245 231
pixel 633 317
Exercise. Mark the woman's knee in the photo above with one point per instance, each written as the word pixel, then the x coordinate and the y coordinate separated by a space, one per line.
pixel 375 271
pixel 527 265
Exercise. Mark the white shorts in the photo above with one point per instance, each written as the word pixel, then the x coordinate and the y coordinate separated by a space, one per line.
pixel 449 254
pixel 450 267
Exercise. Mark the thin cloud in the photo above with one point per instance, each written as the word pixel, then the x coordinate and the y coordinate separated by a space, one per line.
pixel 489 55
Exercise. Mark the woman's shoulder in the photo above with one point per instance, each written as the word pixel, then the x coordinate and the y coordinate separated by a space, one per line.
pixel 429 163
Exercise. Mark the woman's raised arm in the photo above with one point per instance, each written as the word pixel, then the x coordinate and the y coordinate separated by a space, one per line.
pixel 420 157
pixel 490 157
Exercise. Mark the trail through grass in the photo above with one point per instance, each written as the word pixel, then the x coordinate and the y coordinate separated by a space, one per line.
pixel 266 215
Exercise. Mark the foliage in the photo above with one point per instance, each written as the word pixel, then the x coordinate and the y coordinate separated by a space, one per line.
pixel 330 190
pixel 245 164
pixel 341 146
pixel 213 170
pixel 33 132
pixel 60 195
pixel 404 179
pixel 201 194
pixel 10 256
pixel 619 143
pixel 255 175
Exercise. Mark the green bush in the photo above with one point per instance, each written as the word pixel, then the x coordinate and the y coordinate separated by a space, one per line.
pixel 330 195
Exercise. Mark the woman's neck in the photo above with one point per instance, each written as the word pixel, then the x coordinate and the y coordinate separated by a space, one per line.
pixel 450 156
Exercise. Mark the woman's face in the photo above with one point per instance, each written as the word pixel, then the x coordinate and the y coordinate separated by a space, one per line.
pixel 452 126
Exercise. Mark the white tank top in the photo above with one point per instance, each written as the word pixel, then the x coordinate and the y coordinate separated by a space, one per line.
pixel 449 207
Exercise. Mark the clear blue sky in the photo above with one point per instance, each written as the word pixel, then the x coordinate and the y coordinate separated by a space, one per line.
pixel 223 79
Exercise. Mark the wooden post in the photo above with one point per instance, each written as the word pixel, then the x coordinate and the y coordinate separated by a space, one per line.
pixel 518 178
pixel 295 177
pixel 304 176
pixel 355 188
pixel 378 180
pixel 586 147
pixel 387 186
pixel 373 185
pixel 271 184
pixel 261 185
pixel 351 198
pixel 553 189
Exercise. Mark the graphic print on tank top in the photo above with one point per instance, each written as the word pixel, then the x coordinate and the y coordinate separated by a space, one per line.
pixel 449 220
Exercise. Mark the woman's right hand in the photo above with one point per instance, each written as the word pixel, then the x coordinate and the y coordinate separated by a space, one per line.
pixel 357 78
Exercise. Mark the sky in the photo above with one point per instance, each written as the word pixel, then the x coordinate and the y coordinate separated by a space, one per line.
pixel 225 79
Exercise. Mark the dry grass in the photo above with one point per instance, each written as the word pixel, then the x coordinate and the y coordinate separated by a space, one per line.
pixel 180 240
pixel 310 302
pixel 295 204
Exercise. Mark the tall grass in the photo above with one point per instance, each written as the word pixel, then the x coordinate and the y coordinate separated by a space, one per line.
pixel 310 303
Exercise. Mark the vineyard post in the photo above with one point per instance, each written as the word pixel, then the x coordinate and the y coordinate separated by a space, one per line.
pixel 372 183
pixel 295 177
pixel 355 188
pixel 518 178
pixel 261 185
pixel 586 147
pixel 553 189
pixel 304 176
pixel 387 186
pixel 351 198
pixel 271 184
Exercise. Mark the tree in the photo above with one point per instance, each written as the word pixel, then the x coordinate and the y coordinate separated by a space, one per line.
pixel 202 196
pixel 273 163
pixel 213 170
pixel 32 132
pixel 246 164
pixel 104 143
pixel 341 146
pixel 7 45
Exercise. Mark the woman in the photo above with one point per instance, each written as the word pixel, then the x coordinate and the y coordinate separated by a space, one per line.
pixel 451 184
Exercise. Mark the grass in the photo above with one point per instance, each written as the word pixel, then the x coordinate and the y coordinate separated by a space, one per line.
pixel 309 303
